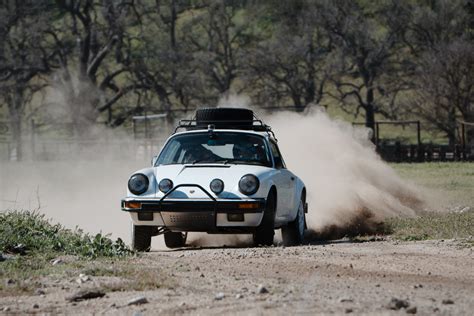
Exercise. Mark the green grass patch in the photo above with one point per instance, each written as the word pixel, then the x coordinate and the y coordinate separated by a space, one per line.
pixel 29 243
pixel 450 186
pixel 450 183
pixel 452 225
pixel 30 233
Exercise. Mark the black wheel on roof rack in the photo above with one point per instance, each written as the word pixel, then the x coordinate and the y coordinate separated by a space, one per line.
pixel 221 117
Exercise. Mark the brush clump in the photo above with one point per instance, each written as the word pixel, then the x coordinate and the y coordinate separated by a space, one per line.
pixel 26 232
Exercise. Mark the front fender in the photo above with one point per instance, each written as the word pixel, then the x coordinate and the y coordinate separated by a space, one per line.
pixel 266 183
pixel 152 186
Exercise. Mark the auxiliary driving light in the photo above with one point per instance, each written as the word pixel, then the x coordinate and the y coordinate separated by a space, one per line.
pixel 165 185
pixel 217 186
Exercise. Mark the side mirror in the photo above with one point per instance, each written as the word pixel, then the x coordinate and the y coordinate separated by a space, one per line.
pixel 153 160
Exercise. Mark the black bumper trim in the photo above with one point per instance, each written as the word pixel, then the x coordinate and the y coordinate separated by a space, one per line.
pixel 219 206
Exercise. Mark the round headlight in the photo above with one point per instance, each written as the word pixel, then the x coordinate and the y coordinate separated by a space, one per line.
pixel 165 185
pixel 138 183
pixel 217 186
pixel 249 184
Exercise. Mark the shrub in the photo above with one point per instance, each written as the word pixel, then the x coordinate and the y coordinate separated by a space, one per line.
pixel 29 232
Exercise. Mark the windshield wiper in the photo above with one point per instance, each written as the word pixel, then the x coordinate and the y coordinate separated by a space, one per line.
pixel 224 161
pixel 198 161
pixel 247 162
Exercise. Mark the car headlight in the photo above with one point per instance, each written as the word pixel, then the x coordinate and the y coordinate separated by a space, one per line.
pixel 217 186
pixel 249 184
pixel 165 185
pixel 138 183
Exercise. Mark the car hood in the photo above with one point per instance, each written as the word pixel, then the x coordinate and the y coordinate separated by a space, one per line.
pixel 202 175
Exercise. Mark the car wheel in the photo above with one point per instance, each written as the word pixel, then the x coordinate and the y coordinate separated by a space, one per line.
pixel 175 239
pixel 141 237
pixel 293 233
pixel 265 232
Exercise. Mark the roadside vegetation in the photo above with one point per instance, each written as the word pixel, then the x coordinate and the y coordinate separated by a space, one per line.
pixel 31 247
pixel 29 233
pixel 451 185
pixel 452 225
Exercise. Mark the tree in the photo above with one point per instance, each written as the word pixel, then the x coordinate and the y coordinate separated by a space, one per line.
pixel 290 67
pixel 161 60
pixel 217 36
pixel 443 54
pixel 24 56
pixel 445 87
pixel 368 48
pixel 95 55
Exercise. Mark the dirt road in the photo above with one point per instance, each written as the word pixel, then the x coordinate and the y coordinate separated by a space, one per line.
pixel 431 277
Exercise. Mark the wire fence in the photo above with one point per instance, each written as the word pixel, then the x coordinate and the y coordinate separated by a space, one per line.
pixel 60 142
pixel 147 134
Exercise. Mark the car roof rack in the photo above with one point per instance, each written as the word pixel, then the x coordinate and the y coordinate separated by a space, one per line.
pixel 256 125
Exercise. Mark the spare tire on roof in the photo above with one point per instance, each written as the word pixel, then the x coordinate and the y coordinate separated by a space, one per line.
pixel 224 117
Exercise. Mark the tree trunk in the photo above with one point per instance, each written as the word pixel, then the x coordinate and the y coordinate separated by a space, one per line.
pixel 14 107
pixel 310 88
pixel 370 113
pixel 452 127
pixel 469 129
pixel 299 107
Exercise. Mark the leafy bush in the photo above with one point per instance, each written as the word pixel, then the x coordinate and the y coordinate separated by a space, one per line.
pixel 30 232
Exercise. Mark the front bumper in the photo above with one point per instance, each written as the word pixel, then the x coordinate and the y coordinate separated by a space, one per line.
pixel 200 215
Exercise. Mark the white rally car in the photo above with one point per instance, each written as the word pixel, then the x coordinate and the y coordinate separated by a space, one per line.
pixel 223 174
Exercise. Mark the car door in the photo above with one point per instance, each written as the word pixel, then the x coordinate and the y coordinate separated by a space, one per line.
pixel 285 181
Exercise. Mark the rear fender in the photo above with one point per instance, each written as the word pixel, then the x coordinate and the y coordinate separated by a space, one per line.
pixel 299 188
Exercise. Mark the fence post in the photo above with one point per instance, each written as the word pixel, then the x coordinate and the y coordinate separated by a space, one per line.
pixel 377 134
pixel 418 133
pixel 33 139
pixel 463 140
pixel 134 128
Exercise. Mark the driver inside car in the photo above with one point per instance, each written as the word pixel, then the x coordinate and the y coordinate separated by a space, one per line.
pixel 198 153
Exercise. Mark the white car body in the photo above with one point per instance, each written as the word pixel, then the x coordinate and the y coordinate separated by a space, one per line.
pixel 192 206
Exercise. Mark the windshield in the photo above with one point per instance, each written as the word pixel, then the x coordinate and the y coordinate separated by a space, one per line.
pixel 215 147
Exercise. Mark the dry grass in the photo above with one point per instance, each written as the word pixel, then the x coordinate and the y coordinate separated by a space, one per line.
pixel 452 225
pixel 450 183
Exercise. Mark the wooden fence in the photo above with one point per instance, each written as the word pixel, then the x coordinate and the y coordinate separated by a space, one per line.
pixel 425 152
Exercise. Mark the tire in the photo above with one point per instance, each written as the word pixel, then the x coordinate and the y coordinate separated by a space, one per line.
pixel 141 237
pixel 265 232
pixel 175 239
pixel 230 116
pixel 293 233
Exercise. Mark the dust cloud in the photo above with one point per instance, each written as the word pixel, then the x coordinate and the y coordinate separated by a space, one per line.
pixel 80 192
pixel 350 189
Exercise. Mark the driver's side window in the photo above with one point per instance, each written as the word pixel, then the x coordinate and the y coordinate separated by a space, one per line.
pixel 279 163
